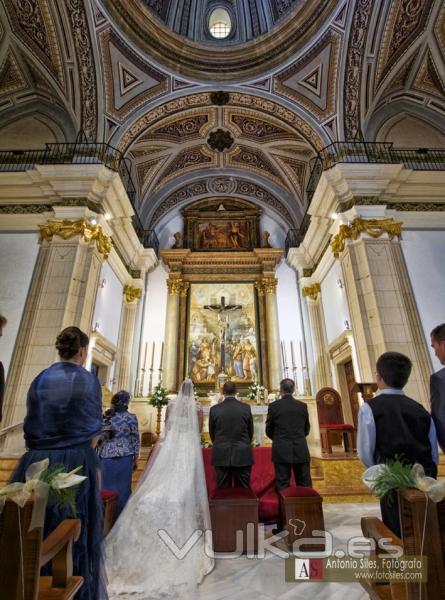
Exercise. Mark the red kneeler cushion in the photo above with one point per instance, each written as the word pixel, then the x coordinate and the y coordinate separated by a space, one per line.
pixel 262 481
pixel 337 426
pixel 298 492
pixel 107 494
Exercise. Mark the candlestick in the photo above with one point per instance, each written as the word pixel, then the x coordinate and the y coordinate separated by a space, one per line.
pixel 301 355
pixel 292 355
pixel 152 356
pixel 145 355
pixel 282 357
pixel 162 356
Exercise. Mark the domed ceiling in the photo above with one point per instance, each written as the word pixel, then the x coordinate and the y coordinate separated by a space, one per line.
pixel 247 19
pixel 238 116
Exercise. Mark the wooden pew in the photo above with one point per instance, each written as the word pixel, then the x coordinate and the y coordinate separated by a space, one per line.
pixel 415 528
pixel 21 559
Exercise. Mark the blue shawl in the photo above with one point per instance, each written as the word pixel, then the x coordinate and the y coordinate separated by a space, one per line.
pixel 64 408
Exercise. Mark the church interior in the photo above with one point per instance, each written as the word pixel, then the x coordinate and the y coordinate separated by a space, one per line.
pixel 243 190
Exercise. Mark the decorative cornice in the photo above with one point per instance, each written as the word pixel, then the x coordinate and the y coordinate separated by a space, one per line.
pixel 67 229
pixel 373 227
pixel 132 293
pixel 400 206
pixel 23 209
pixel 311 291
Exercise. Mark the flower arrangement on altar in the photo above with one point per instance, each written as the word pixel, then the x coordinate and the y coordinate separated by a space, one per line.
pixel 257 392
pixel 52 485
pixel 159 396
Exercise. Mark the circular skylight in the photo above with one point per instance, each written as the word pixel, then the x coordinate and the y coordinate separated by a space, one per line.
pixel 220 24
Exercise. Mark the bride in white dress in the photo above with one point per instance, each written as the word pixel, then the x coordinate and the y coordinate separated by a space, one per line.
pixel 171 498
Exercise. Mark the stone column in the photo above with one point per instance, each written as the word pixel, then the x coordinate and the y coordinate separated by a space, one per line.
pixel 269 288
pixel 319 340
pixel 62 293
pixel 176 286
pixel 126 336
pixel 382 308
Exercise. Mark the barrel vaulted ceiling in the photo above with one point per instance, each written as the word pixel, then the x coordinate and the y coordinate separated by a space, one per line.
pixel 142 76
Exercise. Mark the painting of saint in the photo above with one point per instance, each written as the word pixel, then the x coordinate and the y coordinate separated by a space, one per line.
pixel 232 340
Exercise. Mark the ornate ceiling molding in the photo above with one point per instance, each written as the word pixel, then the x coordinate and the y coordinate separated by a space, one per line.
pixel 210 62
pixel 237 99
pixel 219 186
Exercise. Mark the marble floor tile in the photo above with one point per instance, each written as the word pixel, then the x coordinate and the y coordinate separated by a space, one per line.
pixel 261 579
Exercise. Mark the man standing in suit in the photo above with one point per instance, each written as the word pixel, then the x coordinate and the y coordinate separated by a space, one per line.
pixel 437 385
pixel 287 426
pixel 231 432
pixel 3 322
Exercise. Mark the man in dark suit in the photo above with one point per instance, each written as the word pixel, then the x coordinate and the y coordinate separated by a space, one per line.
pixel 231 432
pixel 3 322
pixel 287 426
pixel 437 385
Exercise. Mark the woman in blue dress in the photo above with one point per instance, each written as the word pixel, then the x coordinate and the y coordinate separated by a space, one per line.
pixel 119 454
pixel 63 421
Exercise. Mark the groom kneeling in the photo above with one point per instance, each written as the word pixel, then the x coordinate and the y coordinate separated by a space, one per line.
pixel 231 432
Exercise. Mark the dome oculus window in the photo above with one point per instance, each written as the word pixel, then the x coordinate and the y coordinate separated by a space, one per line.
pixel 220 24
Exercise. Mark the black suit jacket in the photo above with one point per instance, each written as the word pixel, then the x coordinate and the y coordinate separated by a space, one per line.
pixel 287 426
pixel 231 431
pixel 437 390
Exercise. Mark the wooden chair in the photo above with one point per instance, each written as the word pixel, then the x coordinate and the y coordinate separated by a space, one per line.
pixel 23 552
pixel 412 505
pixel 331 422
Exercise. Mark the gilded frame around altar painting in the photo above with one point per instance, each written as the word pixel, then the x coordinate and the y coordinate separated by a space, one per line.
pixel 204 327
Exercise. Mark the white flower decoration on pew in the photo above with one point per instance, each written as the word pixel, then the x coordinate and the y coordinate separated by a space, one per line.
pixel 384 478
pixel 44 484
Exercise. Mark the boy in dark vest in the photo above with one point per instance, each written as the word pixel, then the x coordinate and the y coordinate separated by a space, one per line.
pixel 392 425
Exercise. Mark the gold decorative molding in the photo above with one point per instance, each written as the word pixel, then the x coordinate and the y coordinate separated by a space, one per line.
pixel 267 285
pixel 391 204
pixel 373 227
pixel 178 287
pixel 311 291
pixel 67 229
pixel 132 293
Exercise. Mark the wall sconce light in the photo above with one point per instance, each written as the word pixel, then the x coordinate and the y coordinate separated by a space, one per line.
pixel 340 283
pixel 347 326
pixel 334 215
pixel 103 283
pixel 96 327
pixel 92 221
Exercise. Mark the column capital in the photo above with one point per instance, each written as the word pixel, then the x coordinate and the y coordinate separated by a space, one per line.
pixel 373 227
pixel 267 285
pixel 177 287
pixel 311 291
pixel 132 294
pixel 67 229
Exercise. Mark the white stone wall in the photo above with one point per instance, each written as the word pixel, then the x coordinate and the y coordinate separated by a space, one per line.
pixel 289 317
pixel 18 254
pixel 424 252
pixel 153 321
pixel 108 307
pixel 335 305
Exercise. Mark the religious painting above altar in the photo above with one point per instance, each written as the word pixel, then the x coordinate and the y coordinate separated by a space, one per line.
pixel 221 224
pixel 222 333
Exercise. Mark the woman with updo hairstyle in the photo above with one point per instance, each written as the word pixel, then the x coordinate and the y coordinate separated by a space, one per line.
pixel 62 423
pixel 119 454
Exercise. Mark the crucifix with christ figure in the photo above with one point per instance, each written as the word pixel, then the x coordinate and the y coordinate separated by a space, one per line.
pixel 222 310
